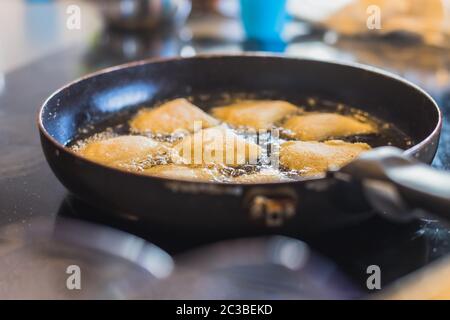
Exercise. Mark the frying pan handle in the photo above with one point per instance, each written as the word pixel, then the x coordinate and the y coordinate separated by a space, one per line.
pixel 396 184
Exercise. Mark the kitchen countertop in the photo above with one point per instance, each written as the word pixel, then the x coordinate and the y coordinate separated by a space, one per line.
pixel 30 195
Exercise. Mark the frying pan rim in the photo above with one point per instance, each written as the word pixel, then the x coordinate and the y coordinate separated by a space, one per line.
pixel 62 148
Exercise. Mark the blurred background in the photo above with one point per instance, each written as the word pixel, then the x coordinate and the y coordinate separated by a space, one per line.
pixel 47 43
pixel 373 31
pixel 411 37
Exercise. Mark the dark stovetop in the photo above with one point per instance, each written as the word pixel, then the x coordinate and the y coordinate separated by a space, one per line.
pixel 29 192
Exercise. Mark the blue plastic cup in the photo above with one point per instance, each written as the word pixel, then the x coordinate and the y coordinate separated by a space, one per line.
pixel 263 20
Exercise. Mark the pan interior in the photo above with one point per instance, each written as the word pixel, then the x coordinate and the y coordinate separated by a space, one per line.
pixel 109 94
pixel 108 99
pixel 389 134
pixel 118 125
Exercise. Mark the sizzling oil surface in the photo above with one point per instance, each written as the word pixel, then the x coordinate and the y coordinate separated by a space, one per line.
pixel 386 135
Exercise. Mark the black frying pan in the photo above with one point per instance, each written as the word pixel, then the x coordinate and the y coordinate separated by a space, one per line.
pixel 214 211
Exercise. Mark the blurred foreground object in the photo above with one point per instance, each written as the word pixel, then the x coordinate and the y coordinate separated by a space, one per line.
pixel 144 14
pixel 427 19
pixel 256 268
pixel 37 263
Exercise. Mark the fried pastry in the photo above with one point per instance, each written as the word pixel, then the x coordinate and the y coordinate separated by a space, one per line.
pixel 322 126
pixel 264 176
pixel 256 114
pixel 219 146
pixel 180 172
pixel 178 114
pixel 311 158
pixel 128 152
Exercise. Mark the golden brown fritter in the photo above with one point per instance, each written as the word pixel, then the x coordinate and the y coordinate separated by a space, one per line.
pixel 180 172
pixel 322 126
pixel 256 114
pixel 218 145
pixel 212 152
pixel 127 152
pixel 264 176
pixel 178 114
pixel 311 158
